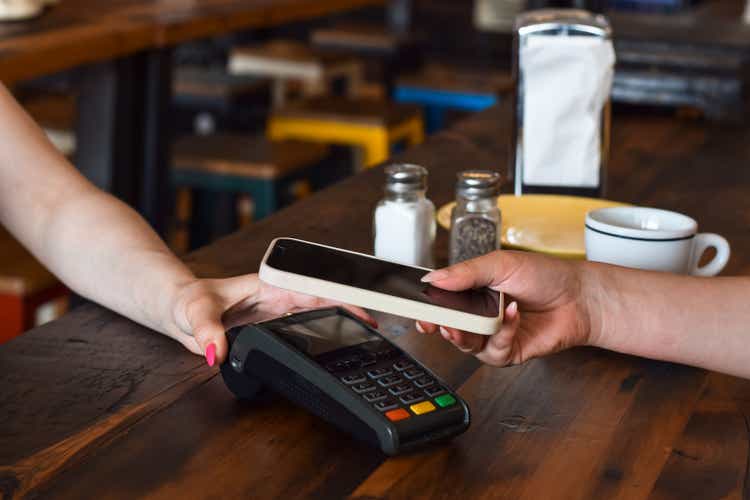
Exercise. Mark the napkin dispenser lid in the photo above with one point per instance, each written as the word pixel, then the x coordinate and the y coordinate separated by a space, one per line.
pixel 562 22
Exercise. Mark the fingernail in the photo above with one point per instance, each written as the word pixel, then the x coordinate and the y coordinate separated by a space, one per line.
pixel 512 309
pixel 419 328
pixel 434 276
pixel 446 335
pixel 211 354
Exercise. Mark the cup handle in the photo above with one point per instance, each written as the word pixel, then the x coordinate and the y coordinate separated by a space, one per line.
pixel 703 241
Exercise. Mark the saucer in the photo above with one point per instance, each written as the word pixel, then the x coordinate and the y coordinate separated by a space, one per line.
pixel 551 224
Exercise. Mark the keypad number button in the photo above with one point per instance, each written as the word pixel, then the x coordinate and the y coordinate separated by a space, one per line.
pixel 386 405
pixel 402 365
pixel 390 380
pixel 374 396
pixel 423 381
pixel 364 387
pixel 354 378
pixel 413 373
pixel 379 372
pixel 400 389
pixel 368 359
pixel 411 397
pixel 434 390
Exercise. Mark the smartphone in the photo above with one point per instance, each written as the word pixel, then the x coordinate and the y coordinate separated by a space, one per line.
pixel 366 281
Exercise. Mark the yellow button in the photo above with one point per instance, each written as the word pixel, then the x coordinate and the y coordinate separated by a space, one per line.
pixel 423 407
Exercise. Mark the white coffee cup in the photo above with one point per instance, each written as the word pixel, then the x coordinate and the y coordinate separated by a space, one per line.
pixel 653 239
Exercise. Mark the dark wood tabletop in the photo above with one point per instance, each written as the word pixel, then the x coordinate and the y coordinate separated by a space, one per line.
pixel 93 405
pixel 76 32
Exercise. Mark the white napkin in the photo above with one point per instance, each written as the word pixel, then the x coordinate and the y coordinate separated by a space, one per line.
pixel 566 81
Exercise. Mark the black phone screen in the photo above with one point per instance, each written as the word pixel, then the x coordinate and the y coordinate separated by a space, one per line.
pixel 369 273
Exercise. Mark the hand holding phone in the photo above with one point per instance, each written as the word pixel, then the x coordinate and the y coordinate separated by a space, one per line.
pixel 369 282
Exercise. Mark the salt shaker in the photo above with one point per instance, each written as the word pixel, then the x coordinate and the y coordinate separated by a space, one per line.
pixel 475 220
pixel 405 219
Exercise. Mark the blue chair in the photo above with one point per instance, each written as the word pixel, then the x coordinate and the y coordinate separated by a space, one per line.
pixel 440 88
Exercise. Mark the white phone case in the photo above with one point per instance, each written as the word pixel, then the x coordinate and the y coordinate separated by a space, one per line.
pixel 378 301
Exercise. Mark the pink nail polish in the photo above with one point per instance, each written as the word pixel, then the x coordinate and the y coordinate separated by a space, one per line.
pixel 211 354
pixel 512 309
pixel 419 327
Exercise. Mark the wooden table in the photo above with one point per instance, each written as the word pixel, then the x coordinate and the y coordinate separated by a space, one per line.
pixel 125 49
pixel 94 405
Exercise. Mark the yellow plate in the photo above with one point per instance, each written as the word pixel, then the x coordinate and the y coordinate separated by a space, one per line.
pixel 550 224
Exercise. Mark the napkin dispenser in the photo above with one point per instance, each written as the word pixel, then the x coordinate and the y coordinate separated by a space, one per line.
pixel 563 67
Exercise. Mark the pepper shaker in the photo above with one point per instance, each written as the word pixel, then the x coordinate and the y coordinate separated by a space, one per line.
pixel 475 220
pixel 404 220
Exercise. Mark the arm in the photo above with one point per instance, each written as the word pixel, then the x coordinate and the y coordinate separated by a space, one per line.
pixel 558 304
pixel 105 251
pixel 696 321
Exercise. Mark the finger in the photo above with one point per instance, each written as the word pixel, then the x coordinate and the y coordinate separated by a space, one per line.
pixel 204 317
pixel 425 327
pixel 499 350
pixel 467 342
pixel 494 270
pixel 318 303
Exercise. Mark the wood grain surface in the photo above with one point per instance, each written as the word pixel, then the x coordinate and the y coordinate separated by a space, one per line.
pixel 77 32
pixel 93 405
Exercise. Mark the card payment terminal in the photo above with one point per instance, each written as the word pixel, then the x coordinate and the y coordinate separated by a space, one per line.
pixel 346 372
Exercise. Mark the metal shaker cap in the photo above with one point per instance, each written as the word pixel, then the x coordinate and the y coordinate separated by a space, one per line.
pixel 476 184
pixel 405 177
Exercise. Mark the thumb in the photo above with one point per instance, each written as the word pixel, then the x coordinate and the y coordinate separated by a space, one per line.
pixel 204 317
pixel 495 270
pixel 235 289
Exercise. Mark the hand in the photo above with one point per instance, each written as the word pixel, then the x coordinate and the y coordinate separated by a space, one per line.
pixel 546 306
pixel 204 309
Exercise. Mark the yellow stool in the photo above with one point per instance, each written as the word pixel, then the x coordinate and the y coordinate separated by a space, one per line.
pixel 369 124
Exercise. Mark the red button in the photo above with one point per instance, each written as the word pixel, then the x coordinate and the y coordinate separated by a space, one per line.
pixel 398 414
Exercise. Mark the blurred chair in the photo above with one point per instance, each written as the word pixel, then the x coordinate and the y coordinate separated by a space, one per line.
pixel 287 62
pixel 372 125
pixel 264 174
pixel 25 286
pixel 208 99
pixel 386 54
pixel 441 88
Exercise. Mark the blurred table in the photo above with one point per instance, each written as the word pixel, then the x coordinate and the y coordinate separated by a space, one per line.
pixel 124 47
pixel 93 405
pixel 697 57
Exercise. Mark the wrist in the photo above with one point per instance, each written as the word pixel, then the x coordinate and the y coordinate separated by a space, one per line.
pixel 174 307
pixel 595 302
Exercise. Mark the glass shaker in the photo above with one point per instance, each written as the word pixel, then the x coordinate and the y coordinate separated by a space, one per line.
pixel 404 220
pixel 475 220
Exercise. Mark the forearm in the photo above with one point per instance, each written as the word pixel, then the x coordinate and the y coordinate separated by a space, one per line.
pixel 96 244
pixel 106 252
pixel 696 321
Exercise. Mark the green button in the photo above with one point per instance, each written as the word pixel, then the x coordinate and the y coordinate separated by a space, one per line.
pixel 445 400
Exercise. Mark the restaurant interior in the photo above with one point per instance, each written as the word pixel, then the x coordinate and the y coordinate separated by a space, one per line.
pixel 227 123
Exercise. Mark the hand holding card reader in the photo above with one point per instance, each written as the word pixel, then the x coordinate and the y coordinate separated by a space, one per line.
pixel 342 370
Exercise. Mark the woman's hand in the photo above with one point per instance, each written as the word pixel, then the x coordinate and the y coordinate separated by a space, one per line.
pixel 547 306
pixel 204 309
